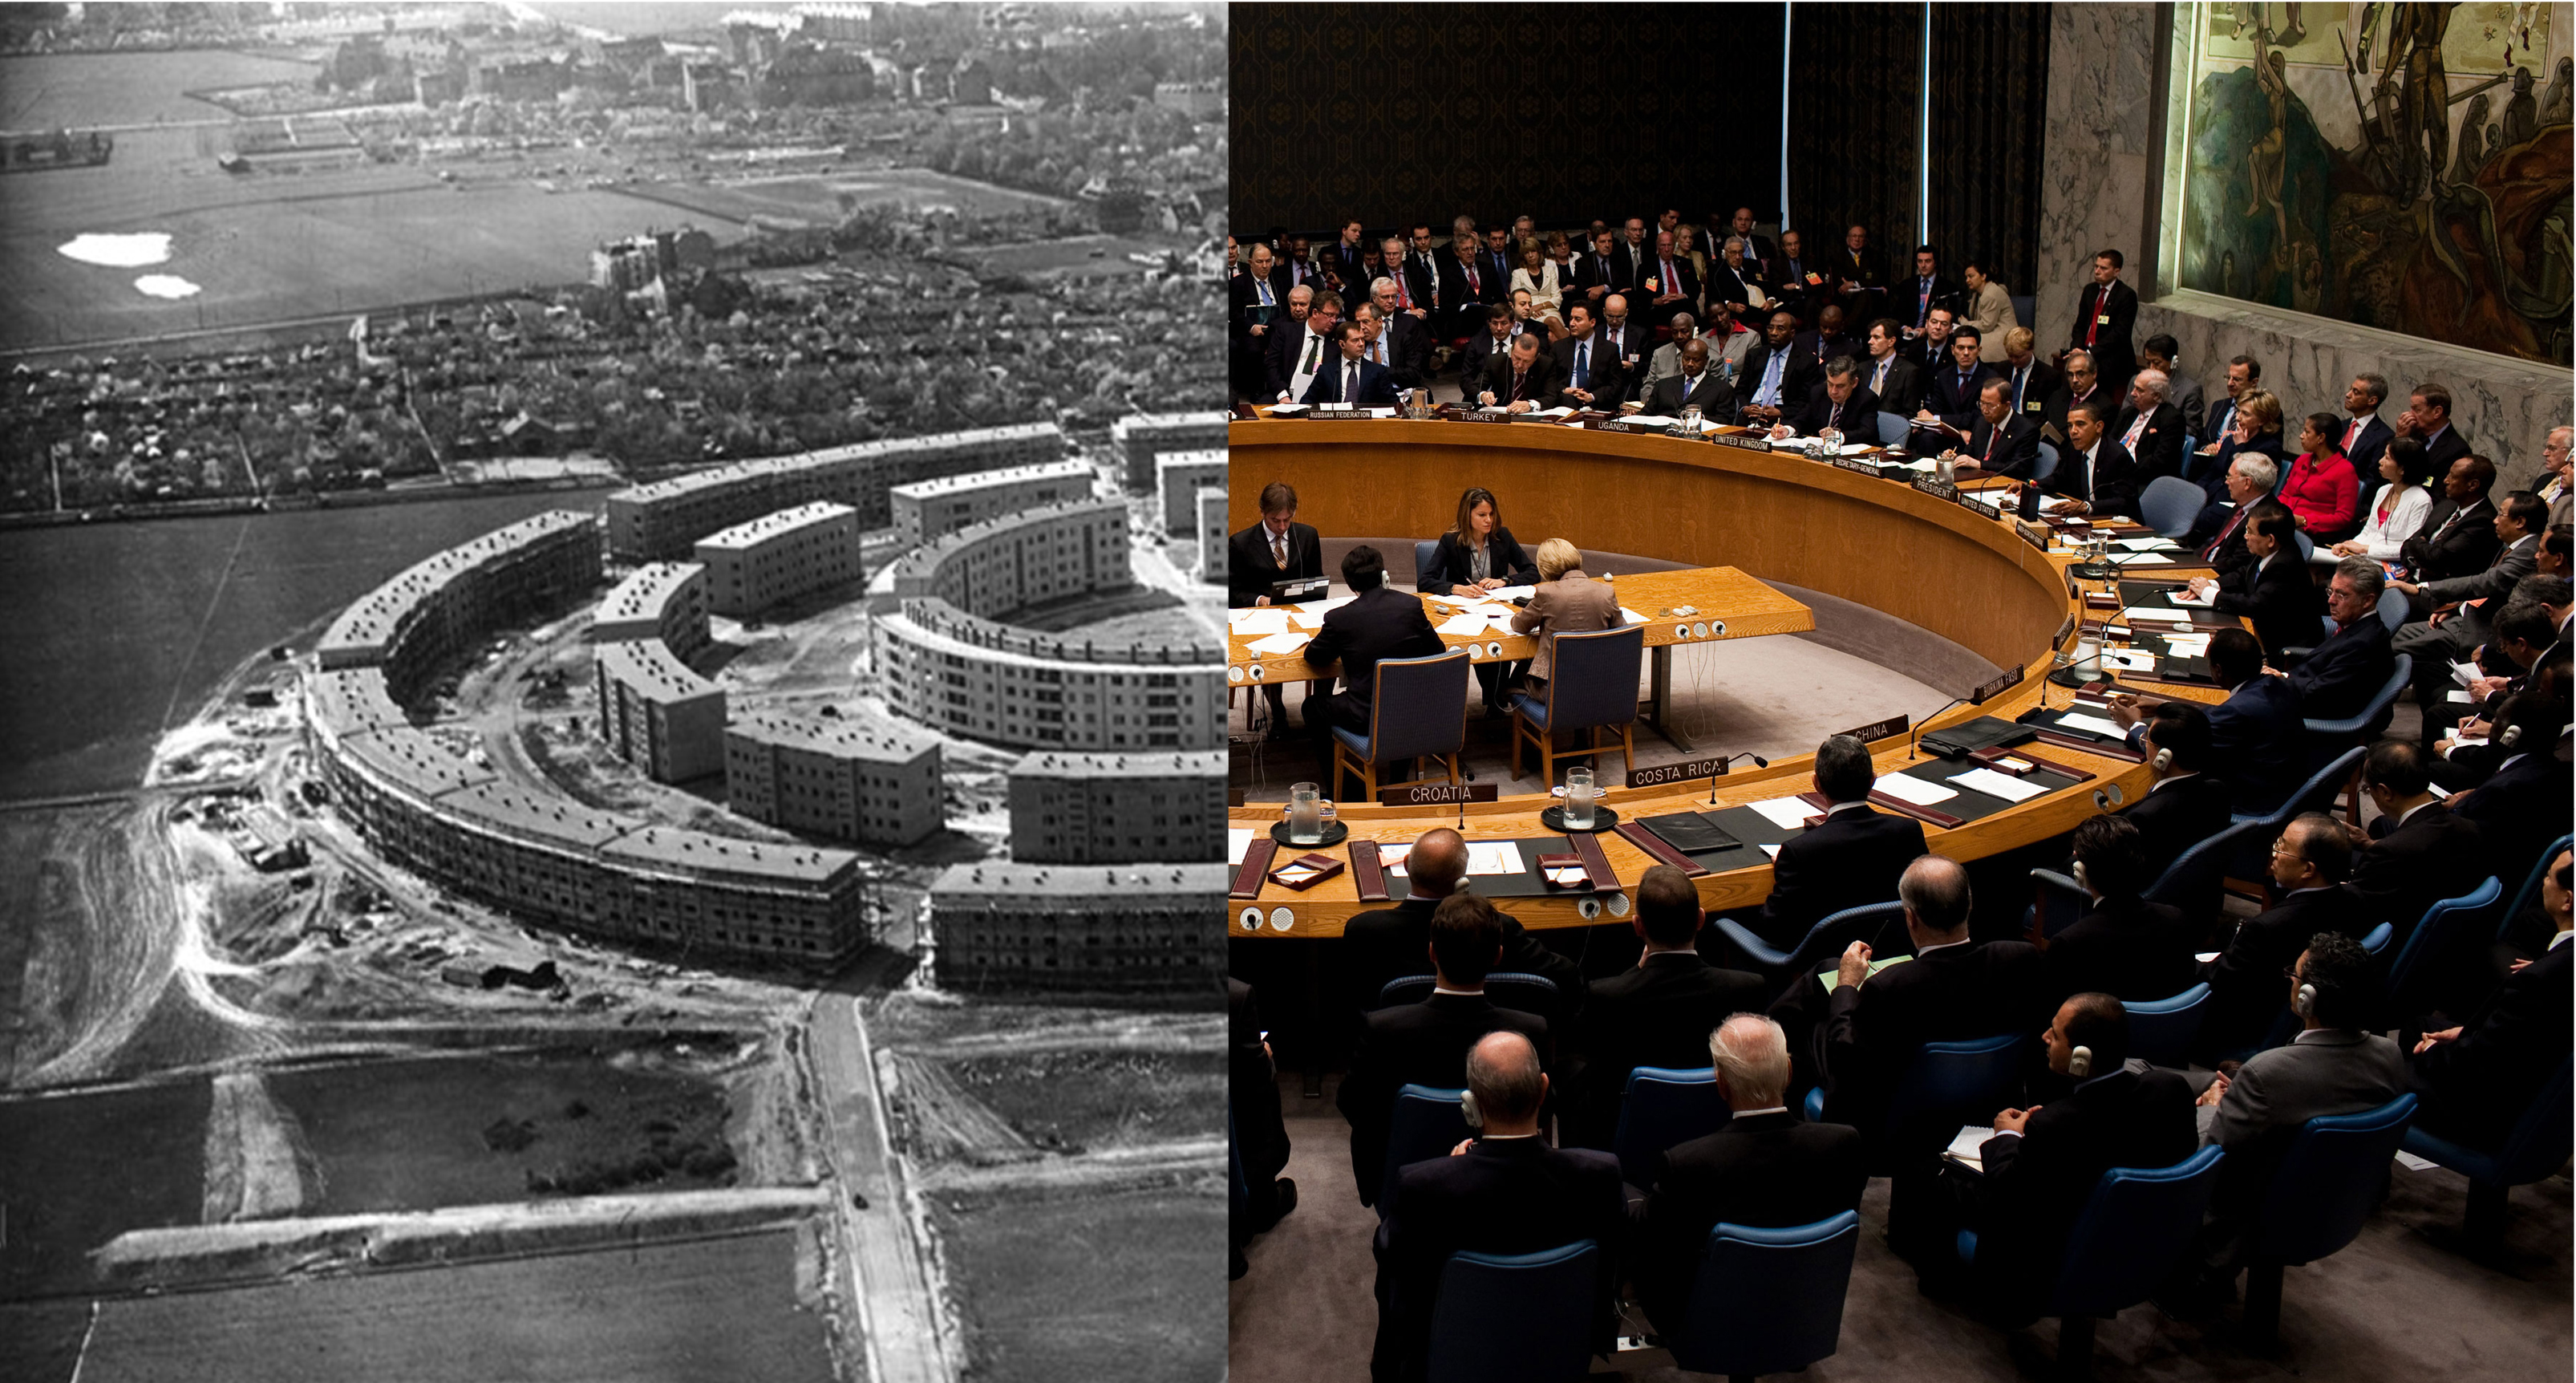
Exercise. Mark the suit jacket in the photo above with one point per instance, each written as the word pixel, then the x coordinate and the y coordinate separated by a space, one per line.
pixel 2218 423
pixel 1287 351
pixel 2038 1182
pixel 1380 623
pixel 1513 1195
pixel 2109 482
pixel 2256 737
pixel 2184 393
pixel 2440 452
pixel 1450 563
pixel 1497 263
pixel 1253 1093
pixel 1872 1029
pixel 2345 671
pixel 1766 1171
pixel 1606 384
pixel 1458 294
pixel 2015 453
pixel 2475 1087
pixel 1592 271
pixel 2218 535
pixel 1416 1044
pixel 1715 397
pixel 2177 814
pixel 2279 596
pixel 1539 386
pixel 1684 274
pixel 1797 375
pixel 2039 383
pixel 1421 275
pixel 1632 338
pixel 1909 304
pixel 2062 399
pixel 2493 582
pixel 2368 447
pixel 2518 810
pixel 1658 1013
pixel 1851 859
pixel 1250 566
pixel 1727 286
pixel 1343 261
pixel 1408 351
pixel 2159 448
pixel 1571 604
pixel 1843 263
pixel 2435 854
pixel 2113 354
pixel 2456 540
pixel 1246 308
pixel 1858 417
pixel 1376 385
pixel 2125 947
pixel 1947 397
pixel 1629 263
pixel 2276 1091
pixel 1392 943
pixel 2266 445
pixel 1903 381
pixel 1824 348
pixel 2247 992
pixel 1479 353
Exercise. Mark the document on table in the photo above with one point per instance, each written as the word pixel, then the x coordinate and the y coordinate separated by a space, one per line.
pixel 1772 850
pixel 1852 449
pixel 2188 645
pixel 2184 597
pixel 1494 857
pixel 1390 858
pixel 1290 409
pixel 2131 559
pixel 2091 725
pixel 2148 544
pixel 1279 645
pixel 1469 624
pixel 1914 791
pixel 2131 661
pixel 1553 413
pixel 1628 617
pixel 1303 620
pixel 1965 1147
pixel 1237 840
pixel 1270 619
pixel 2159 616
pixel 1325 607
pixel 1511 593
pixel 1651 420
pixel 1923 467
pixel 1994 784
pixel 1787 813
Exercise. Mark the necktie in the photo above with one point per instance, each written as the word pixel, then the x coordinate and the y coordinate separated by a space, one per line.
pixel 1350 384
pixel 1404 291
pixel 2211 552
pixel 1993 431
pixel 2020 374
pixel 1262 286
pixel 1279 549
pixel 1672 281
pixel 1583 365
pixel 1314 349
pixel 1878 377
pixel 1769 394
pixel 2131 441
pixel 1963 386
pixel 2351 435
pixel 1834 418
pixel 1472 285
pixel 2093 316
pixel 1517 377
pixel 1922 300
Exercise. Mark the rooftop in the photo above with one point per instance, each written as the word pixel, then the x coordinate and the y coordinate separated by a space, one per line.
pixel 1208 457
pixel 1104 884
pixel 923 562
pixel 1055 763
pixel 780 522
pixel 377 615
pixel 410 761
pixel 696 852
pixel 844 738
pixel 723 476
pixel 644 593
pixel 985 480
pixel 352 700
pixel 648 667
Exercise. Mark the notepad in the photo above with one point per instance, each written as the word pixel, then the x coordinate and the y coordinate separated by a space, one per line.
pixel 1965 1148
pixel 1237 840
pixel 1832 977
pixel 2148 544
pixel 1772 850
pixel 1252 623
pixel 2091 725
pixel 1471 624
pixel 1914 791
pixel 1994 784
pixel 1280 645
pixel 1787 813
pixel 1494 857
pixel 2131 661
pixel 2159 616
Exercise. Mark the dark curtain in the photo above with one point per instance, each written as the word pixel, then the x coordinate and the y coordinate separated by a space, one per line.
pixel 1417 112
pixel 1989 99
pixel 1855 91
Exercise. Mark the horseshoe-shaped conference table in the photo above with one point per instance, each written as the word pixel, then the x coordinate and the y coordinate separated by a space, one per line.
pixel 1913 553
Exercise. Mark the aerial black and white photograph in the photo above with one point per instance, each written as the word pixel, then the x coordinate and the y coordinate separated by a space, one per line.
pixel 612 742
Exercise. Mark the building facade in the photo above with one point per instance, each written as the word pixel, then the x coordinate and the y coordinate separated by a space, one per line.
pixel 1023 559
pixel 1006 686
pixel 874 784
pixel 930 509
pixel 1117 808
pixel 1212 536
pixel 752 566
pixel 656 714
pixel 661 601
pixel 1178 478
pixel 439 609
pixel 1124 929
pixel 1141 438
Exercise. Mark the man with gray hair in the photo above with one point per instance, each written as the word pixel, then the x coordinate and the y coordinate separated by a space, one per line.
pixel 2219 531
pixel 1849 857
pixel 2555 486
pixel 2365 437
pixel 2150 427
pixel 1403 343
pixel 1765 1167
pixel 2339 676
pixel 1504 1191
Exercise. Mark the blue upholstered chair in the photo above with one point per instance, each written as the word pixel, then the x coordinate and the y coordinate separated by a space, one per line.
pixel 2161 1030
pixel 1507 988
pixel 1664 1107
pixel 1892 429
pixel 1515 1318
pixel 2524 896
pixel 2314 795
pixel 2538 1146
pixel 1425 1122
pixel 2329 1181
pixel 2047 463
pixel 1591 688
pixel 1952 1082
pixel 2197 879
pixel 2056 902
pixel 2374 943
pixel 1422 555
pixel 1420 712
pixel 1767 1300
pixel 2169 504
pixel 2350 738
pixel 2449 925
pixel 2394 610
pixel 1823 941
pixel 2133 1230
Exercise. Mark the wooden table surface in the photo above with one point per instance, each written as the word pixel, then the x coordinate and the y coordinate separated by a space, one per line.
pixel 1776 516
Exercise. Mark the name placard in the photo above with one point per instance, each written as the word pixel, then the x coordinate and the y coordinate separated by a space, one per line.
pixel 1472 416
pixel 1854 463
pixel 1437 794
pixel 1977 506
pixel 2034 534
pixel 1882 729
pixel 2003 682
pixel 1337 408
pixel 1938 489
pixel 1657 775
pixel 1742 442
pixel 1615 425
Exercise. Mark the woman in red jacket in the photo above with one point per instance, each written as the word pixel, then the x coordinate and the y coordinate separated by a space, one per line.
pixel 2322 491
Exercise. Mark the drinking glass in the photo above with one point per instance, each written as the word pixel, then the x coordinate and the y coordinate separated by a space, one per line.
pixel 1578 799
pixel 1307 813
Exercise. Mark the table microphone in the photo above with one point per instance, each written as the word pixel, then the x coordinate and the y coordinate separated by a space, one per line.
pixel 1722 762
pixel 1912 739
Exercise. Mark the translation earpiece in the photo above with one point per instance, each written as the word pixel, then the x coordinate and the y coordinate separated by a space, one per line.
pixel 2162 762
pixel 1467 1108
pixel 2080 1063
pixel 2506 737
pixel 2080 880
pixel 2304 1003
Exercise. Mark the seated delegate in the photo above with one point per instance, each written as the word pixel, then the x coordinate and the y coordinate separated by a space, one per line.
pixel 1565 602
pixel 1478 554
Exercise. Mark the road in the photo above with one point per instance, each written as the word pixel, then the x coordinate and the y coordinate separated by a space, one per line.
pixel 906 1334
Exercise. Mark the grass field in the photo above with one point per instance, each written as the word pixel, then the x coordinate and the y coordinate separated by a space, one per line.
pixel 1091 1286
pixel 1100 1099
pixel 817 197
pixel 64 1200
pixel 80 89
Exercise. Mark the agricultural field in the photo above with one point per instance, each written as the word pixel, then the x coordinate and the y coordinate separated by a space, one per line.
pixel 1091 1286
pixel 60 1208
pixel 42 91
pixel 819 198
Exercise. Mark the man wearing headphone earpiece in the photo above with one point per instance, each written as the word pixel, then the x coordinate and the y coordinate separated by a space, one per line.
pixel 2477 1079
pixel 2186 805
pixel 2331 1067
pixel 2309 864
pixel 2042 1163
pixel 2256 732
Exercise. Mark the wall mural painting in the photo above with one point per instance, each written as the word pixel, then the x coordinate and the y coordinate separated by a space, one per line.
pixel 2402 166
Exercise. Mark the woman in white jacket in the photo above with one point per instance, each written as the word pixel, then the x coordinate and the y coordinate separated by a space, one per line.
pixel 1989 309
pixel 2400 508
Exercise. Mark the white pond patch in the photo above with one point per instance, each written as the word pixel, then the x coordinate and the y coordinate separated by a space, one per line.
pixel 118 251
pixel 167 286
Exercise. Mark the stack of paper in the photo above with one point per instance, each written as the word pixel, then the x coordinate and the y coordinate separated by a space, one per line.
pixel 2131 661
pixel 1287 408
pixel 1787 813
pixel 1237 840
pixel 2091 725
pixel 1470 624
pixel 1279 645
pixel 2148 544
pixel 1494 857
pixel 1914 791
pixel 1853 448
pixel 2142 613
pixel 1511 593
pixel 1652 420
pixel 1994 784
pixel 1252 623
pixel 2132 559
pixel 1553 413
pixel 1320 608
pixel 1964 1148
pixel 1628 616
pixel 1303 620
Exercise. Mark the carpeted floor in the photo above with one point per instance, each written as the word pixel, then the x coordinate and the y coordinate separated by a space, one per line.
pixel 2396 1304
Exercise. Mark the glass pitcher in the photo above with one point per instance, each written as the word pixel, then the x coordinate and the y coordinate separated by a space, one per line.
pixel 1579 794
pixel 1307 813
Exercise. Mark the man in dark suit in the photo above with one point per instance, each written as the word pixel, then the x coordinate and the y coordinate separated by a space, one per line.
pixel 2244 376
pixel 2310 865
pixel 2083 384
pixel 2000 444
pixel 2123 945
pixel 2365 438
pixel 2524 803
pixel 1621 339
pixel 1426 1043
pixel 1830 339
pixel 2164 355
pixel 1276 549
pixel 1466 289
pixel 1911 299
pixel 1260 1135
pixel 1672 284
pixel 1758 249
pixel 2094 475
pixel 1386 943
pixel 1776 374
pixel 1523 378
pixel 1930 349
pixel 1885 371
pixel 1632 257
pixel 1659 1012
pixel 1506 1191
pixel 1950 392
pixel 1805 281
pixel 1496 258
pixel 1401 342
pixel 1596 273
pixel 1416 275
pixel 2457 609
pixel 1486 347
pixel 2033 381
pixel 2042 1164
pixel 1588 369
pixel 1353 379
pixel 2420 851
pixel 2105 318
pixel 1765 1168
pixel 1378 623
pixel 1839 403
pixel 2255 733
pixel 2150 428
pixel 2186 805
pixel 2428 418
pixel 2218 533
pixel 1302 346
pixel 2276 592
pixel 1852 858
pixel 2476 1079
pixel 1860 280
pixel 1255 300
pixel 2458 537
pixel 1341 259
pixel 2339 676
pixel 1697 386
